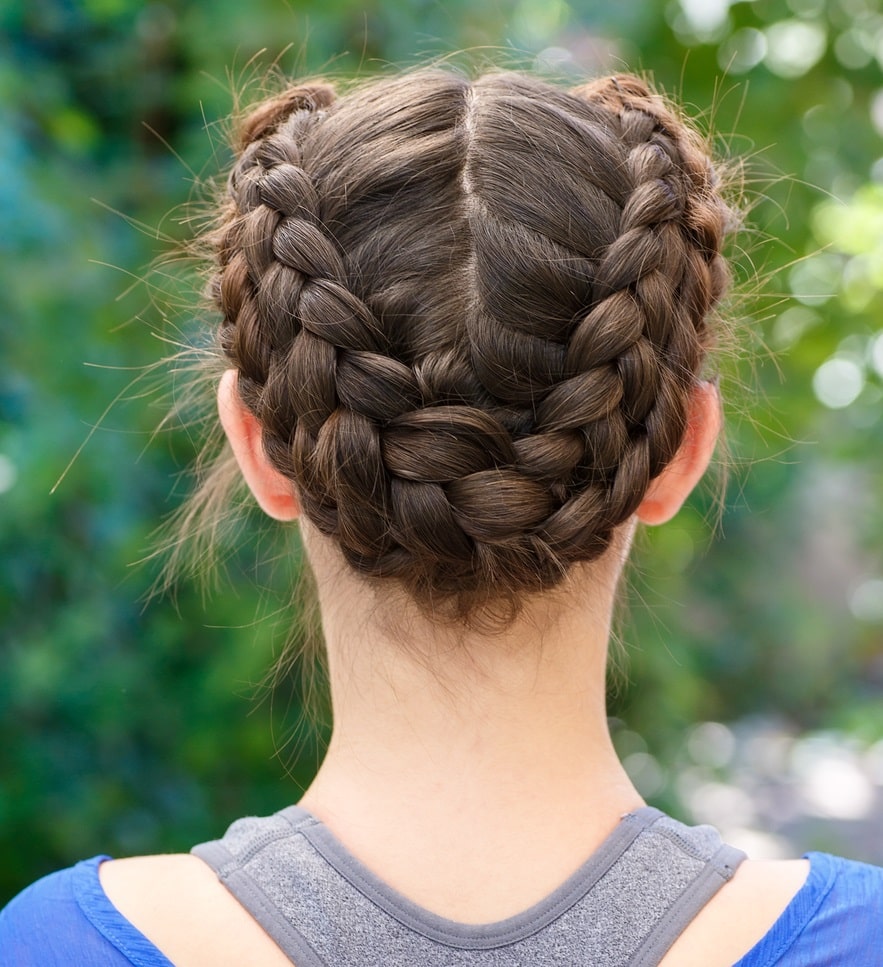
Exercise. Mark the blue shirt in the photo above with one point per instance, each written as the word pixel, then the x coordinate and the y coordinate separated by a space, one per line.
pixel 66 920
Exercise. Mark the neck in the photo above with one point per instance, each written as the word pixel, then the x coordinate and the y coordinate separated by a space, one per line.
pixel 443 731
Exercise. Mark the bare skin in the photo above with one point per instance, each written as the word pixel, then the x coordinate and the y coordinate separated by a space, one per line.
pixel 472 772
pixel 178 903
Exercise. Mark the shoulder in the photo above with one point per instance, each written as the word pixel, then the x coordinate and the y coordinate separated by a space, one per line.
pixel 850 880
pixel 848 894
pixel 834 919
pixel 65 919
pixel 821 911
pixel 178 902
pixel 739 915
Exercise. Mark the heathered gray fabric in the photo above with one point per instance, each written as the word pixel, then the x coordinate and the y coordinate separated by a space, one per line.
pixel 623 908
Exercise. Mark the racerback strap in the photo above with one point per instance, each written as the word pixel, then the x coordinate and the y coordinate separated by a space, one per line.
pixel 624 907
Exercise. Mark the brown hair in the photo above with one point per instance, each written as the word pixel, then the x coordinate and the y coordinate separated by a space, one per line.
pixel 468 316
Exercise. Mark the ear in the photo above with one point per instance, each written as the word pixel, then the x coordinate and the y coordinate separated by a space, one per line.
pixel 273 491
pixel 672 487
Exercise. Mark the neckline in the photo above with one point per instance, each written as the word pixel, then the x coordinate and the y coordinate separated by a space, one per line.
pixel 468 935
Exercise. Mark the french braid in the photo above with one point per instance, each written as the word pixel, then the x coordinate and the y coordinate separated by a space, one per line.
pixel 469 316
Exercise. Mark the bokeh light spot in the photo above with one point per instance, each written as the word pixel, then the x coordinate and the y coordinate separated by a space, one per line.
pixel 838 382
pixel 794 47
pixel 8 474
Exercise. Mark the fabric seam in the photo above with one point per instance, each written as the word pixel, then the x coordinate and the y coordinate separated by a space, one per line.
pixel 399 908
pixel 780 950
pixel 261 908
pixel 86 893
pixel 717 871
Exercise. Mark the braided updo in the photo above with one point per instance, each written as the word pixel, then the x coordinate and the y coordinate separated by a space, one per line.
pixel 469 315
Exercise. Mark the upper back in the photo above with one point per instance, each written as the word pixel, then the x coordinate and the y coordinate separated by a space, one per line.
pixel 336 908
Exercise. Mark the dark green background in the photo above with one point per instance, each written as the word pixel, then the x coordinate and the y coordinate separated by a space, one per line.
pixel 130 724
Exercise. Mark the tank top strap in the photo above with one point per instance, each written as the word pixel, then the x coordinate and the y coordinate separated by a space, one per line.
pixel 624 907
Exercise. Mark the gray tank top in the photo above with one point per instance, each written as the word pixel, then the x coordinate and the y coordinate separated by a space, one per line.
pixel 626 905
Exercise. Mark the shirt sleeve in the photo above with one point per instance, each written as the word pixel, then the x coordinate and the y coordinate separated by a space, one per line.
pixel 833 921
pixel 66 920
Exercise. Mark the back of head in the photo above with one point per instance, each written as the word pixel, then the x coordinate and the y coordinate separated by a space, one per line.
pixel 469 315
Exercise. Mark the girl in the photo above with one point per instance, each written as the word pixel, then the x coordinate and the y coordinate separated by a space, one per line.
pixel 464 329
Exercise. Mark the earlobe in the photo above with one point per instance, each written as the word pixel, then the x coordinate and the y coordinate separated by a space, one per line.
pixel 273 491
pixel 671 488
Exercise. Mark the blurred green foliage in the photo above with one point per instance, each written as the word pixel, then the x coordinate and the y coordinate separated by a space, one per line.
pixel 131 724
